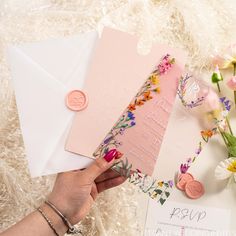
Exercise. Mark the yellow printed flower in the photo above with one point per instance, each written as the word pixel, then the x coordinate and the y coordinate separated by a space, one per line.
pixel 154 79
pixel 157 90
pixel 160 184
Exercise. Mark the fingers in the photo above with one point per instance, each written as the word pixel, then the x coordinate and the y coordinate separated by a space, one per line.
pixel 94 191
pixel 109 174
pixel 110 183
pixel 101 164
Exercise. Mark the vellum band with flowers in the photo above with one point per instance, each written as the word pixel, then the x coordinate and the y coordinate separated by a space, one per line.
pixel 218 115
pixel 158 190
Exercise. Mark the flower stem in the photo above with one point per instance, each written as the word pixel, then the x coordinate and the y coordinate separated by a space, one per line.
pixel 228 123
pixel 235 97
pixel 218 86
pixel 234 73
pixel 222 135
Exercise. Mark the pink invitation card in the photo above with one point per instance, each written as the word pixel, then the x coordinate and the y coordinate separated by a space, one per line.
pixel 140 89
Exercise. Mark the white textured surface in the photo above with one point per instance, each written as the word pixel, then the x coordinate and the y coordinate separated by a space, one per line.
pixel 200 27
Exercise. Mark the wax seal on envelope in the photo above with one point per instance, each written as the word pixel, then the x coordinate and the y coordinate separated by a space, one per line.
pixel 76 100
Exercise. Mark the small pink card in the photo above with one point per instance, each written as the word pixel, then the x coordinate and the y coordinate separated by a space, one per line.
pixel 116 74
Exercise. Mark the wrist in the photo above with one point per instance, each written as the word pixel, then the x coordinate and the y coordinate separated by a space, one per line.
pixel 65 208
pixel 59 225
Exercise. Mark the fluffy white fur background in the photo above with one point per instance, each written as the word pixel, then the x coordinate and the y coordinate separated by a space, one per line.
pixel 200 27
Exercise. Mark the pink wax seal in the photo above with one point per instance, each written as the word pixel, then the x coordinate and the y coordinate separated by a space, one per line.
pixel 194 189
pixel 183 179
pixel 76 100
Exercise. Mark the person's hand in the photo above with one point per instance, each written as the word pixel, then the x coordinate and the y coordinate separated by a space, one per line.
pixel 74 192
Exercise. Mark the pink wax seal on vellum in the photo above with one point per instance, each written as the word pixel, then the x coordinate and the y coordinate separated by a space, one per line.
pixel 76 100
pixel 194 189
pixel 183 179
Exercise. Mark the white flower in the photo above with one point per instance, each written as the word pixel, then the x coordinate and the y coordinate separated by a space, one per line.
pixel 226 169
pixel 224 113
pixel 222 124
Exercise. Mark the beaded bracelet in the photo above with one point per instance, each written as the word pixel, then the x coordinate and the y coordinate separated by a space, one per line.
pixel 48 220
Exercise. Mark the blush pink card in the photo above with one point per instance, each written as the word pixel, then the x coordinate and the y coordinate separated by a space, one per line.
pixel 116 74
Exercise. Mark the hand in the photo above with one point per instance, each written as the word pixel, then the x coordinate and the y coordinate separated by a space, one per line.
pixel 74 192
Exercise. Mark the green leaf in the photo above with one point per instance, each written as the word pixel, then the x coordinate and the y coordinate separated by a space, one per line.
pixel 162 201
pixel 230 138
pixel 232 151
pixel 158 191
pixel 167 194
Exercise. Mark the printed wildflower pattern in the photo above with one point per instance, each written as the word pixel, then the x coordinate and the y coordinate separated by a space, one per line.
pixel 182 89
pixel 155 189
pixel 205 137
pixel 152 83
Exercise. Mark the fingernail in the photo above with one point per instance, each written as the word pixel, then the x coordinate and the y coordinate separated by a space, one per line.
pixel 111 155
pixel 119 155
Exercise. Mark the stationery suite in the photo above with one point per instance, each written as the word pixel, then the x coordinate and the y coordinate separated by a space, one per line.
pixel 117 99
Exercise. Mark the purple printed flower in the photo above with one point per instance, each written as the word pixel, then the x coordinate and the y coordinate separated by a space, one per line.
pixel 171 183
pixel 122 130
pixel 184 168
pixel 131 115
pixel 226 103
pixel 132 123
pixel 222 99
pixel 108 139
pixel 189 160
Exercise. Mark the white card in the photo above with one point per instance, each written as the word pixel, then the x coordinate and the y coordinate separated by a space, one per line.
pixel 176 218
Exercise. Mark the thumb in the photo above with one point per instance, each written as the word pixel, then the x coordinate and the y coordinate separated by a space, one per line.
pixel 102 164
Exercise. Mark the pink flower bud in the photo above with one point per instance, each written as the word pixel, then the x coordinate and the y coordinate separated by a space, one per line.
pixel 232 83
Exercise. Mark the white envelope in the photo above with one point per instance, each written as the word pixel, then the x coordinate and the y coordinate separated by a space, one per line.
pixel 43 73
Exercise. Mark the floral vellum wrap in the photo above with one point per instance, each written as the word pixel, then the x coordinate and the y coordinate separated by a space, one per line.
pixel 135 118
pixel 204 139
pixel 192 91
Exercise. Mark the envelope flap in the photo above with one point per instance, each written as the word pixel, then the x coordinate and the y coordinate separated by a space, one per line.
pixel 40 100
pixel 61 56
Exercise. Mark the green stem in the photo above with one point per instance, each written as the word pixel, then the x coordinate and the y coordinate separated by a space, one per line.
pixel 235 97
pixel 228 123
pixel 218 86
pixel 234 73
pixel 222 135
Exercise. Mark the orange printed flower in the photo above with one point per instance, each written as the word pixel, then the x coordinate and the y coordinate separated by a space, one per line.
pixel 139 102
pixel 160 184
pixel 207 133
pixel 147 95
pixel 131 107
